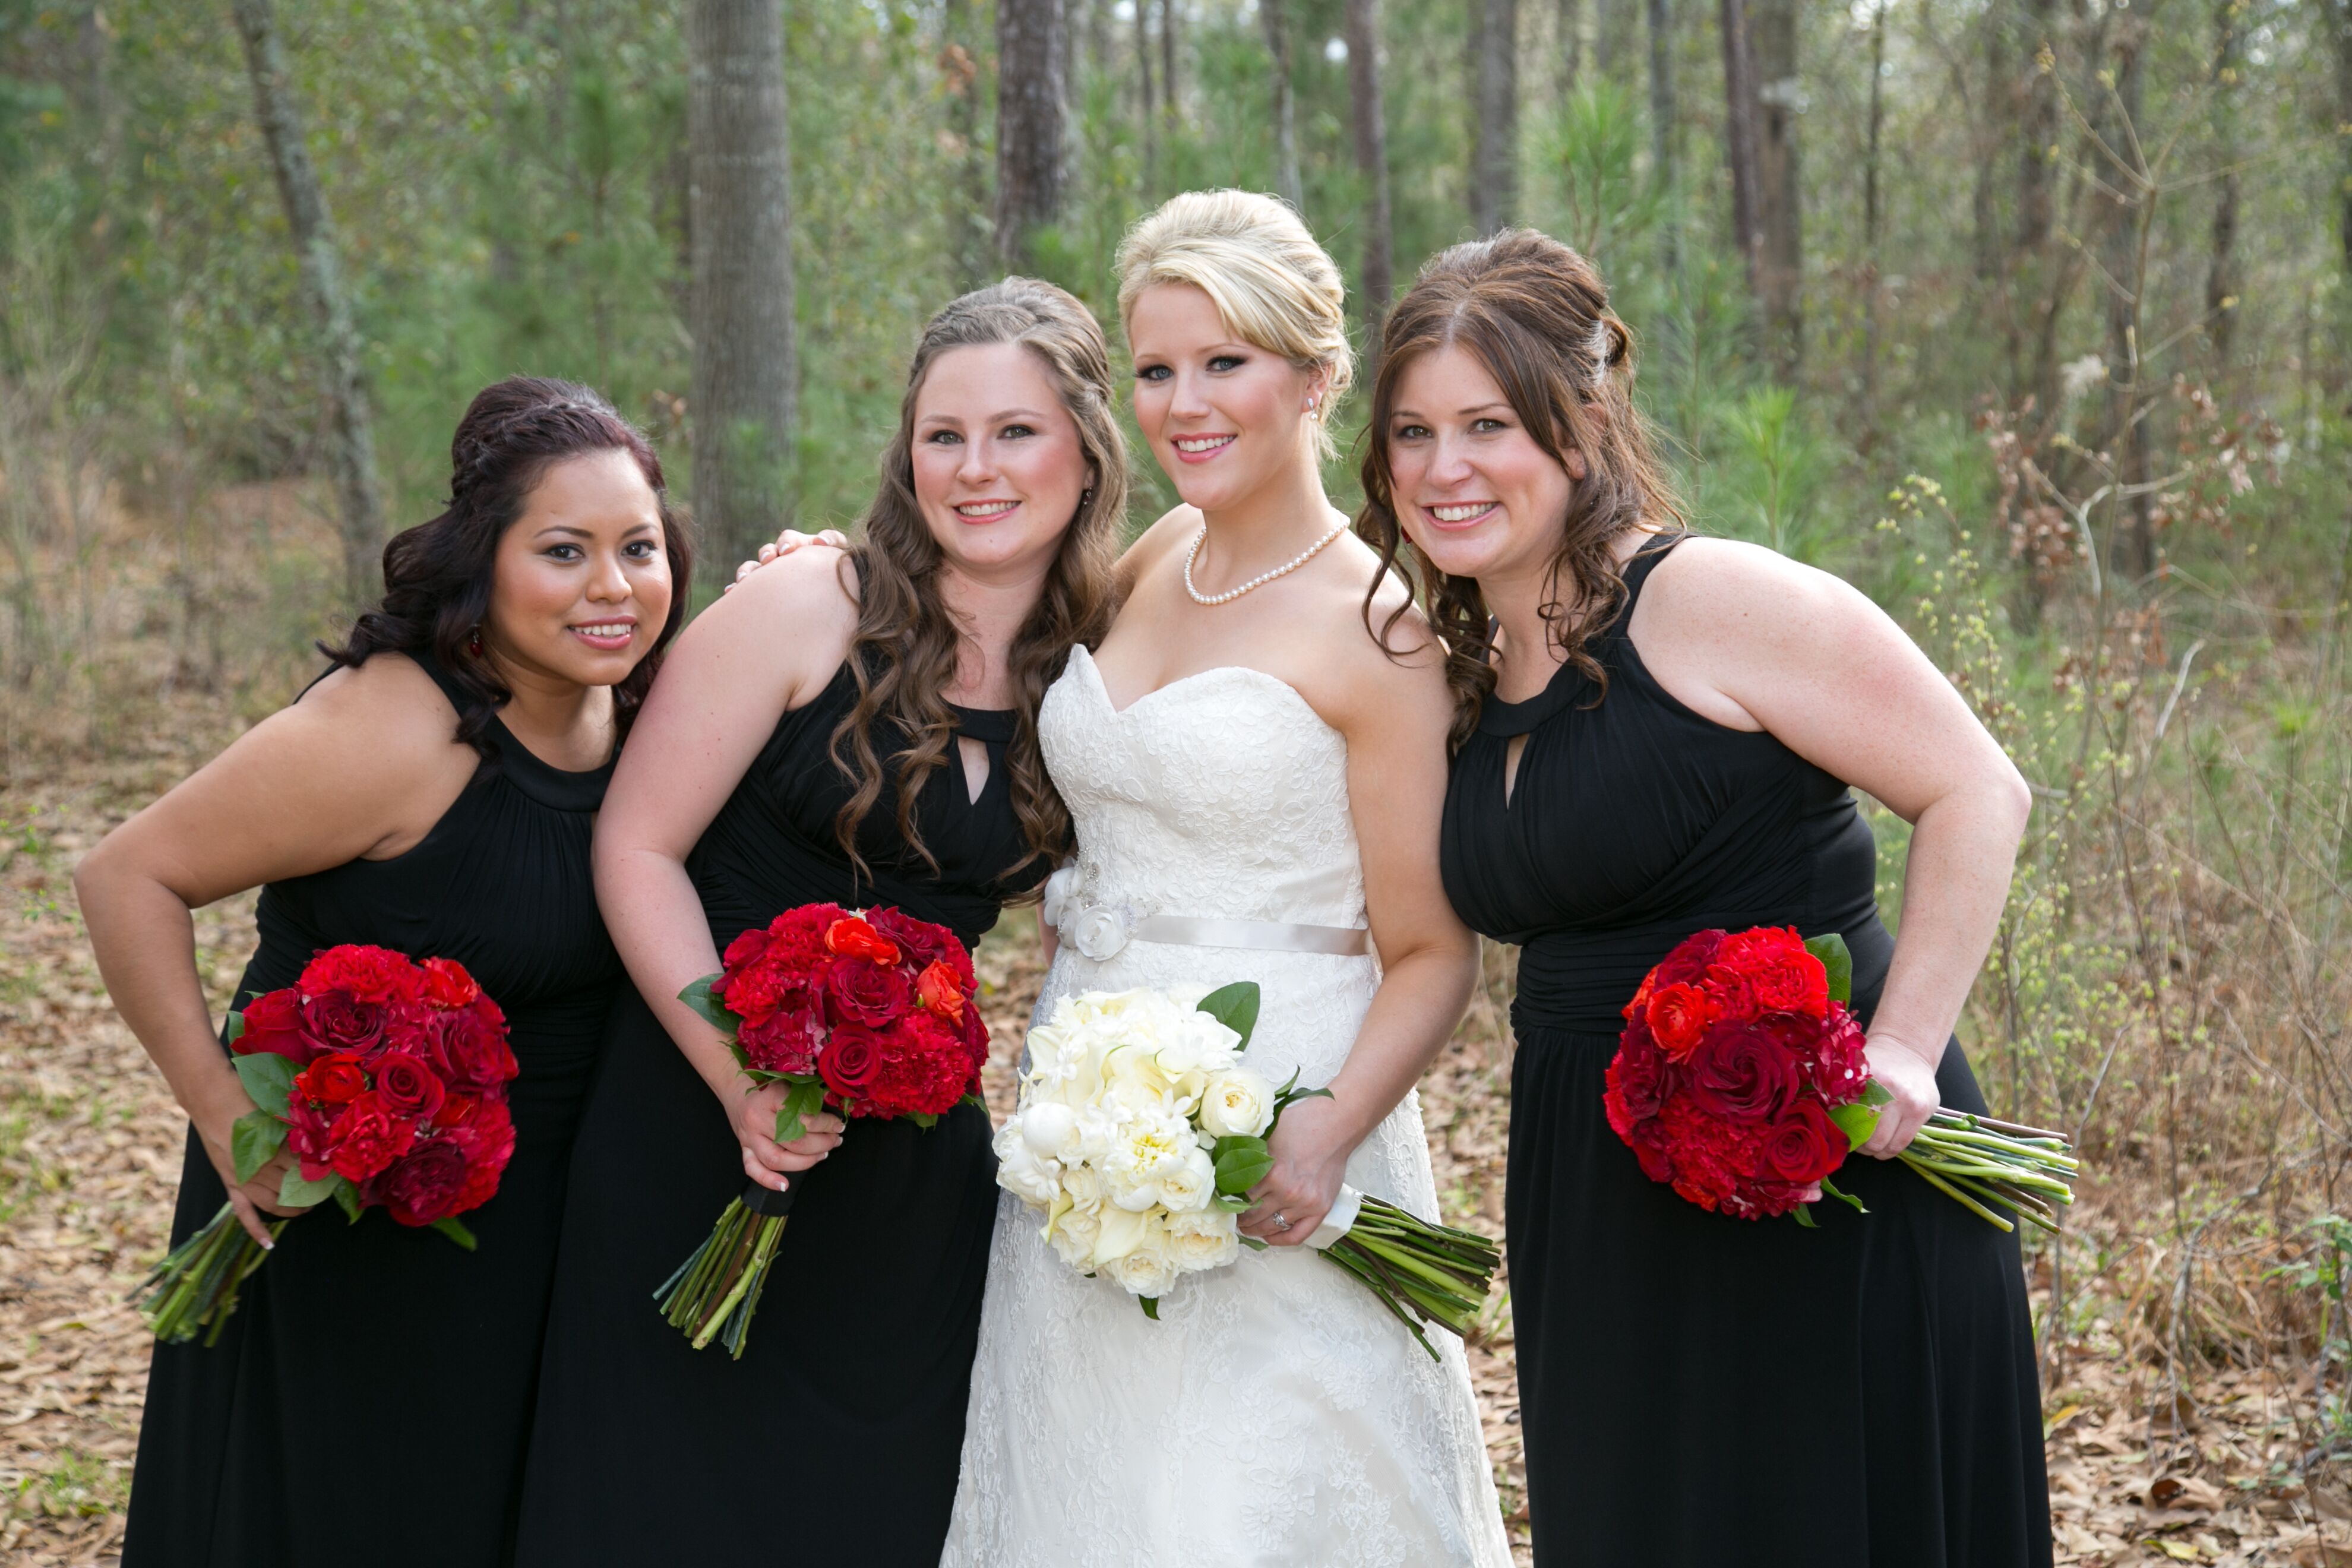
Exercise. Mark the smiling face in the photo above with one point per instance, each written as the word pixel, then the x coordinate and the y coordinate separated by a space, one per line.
pixel 581 586
pixel 998 463
pixel 1472 487
pixel 1225 418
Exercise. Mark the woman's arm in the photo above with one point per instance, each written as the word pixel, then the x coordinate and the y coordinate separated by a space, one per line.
pixel 770 646
pixel 1394 715
pixel 1757 641
pixel 363 765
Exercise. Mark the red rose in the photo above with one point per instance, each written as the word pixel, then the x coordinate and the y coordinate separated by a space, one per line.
pixel 857 992
pixel 366 1138
pixel 1805 1145
pixel 470 1050
pixel 1786 978
pixel 1687 962
pixel 853 938
pixel 1638 1079
pixel 784 1041
pixel 1678 1016
pixel 924 943
pixel 367 973
pixel 455 1110
pixel 331 1080
pixel 1741 1073
pixel 850 1063
pixel 339 1021
pixel 424 1185
pixel 924 1068
pixel 273 1022
pixel 1730 996
pixel 488 1138
pixel 937 989
pixel 975 1040
pixel 447 983
pixel 407 1086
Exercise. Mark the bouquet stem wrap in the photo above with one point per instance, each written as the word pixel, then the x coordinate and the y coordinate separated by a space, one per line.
pixel 1435 1272
pixel 714 1294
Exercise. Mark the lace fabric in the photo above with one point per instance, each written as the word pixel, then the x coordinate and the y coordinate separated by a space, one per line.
pixel 1275 1415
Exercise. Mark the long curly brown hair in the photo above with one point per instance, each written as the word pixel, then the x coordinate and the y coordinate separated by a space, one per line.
pixel 904 653
pixel 1536 314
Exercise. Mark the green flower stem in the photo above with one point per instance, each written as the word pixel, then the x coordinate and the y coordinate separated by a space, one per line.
pixel 1955 1194
pixel 195 1288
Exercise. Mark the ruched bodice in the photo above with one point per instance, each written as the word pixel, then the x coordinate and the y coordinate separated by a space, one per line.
pixel 1634 822
pixel 1221 795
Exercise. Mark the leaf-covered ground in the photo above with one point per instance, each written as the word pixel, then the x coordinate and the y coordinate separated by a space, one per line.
pixel 90 1153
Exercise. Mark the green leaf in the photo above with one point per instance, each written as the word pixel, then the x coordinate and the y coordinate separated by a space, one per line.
pixel 269 1079
pixel 1235 1007
pixel 236 1030
pixel 1243 1165
pixel 1829 1189
pixel 456 1231
pixel 1151 1305
pixel 1804 1218
pixel 1253 1243
pixel 1839 961
pixel 698 998
pixel 922 1119
pixel 348 1197
pixel 296 1193
pixel 1857 1121
pixel 254 1140
pixel 1232 1202
pixel 805 1099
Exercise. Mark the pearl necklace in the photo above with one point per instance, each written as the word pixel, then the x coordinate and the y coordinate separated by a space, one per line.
pixel 1260 579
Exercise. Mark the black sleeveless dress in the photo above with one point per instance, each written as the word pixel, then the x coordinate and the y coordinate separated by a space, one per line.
pixel 1697 1390
pixel 369 1401
pixel 835 1438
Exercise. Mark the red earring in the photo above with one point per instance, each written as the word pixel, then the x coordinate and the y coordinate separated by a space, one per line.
pixel 474 643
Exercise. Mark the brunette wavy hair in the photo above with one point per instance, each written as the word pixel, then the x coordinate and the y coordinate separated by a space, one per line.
pixel 904 653
pixel 1535 315
pixel 437 575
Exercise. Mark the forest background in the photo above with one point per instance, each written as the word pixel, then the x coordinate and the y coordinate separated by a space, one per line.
pixel 2030 317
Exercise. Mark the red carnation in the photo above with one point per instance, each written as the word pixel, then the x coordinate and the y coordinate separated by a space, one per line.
pixel 1804 1145
pixel 1678 1015
pixel 1741 1073
pixel 1730 995
pixel 488 1138
pixel 410 1026
pixel 924 1068
pixel 331 1080
pixel 365 973
pixel 273 1022
pixel 975 1040
pixel 785 1041
pixel 407 1086
pixel 447 983
pixel 310 1135
pixel 858 991
pixel 367 1137
pixel 426 1184
pixel 923 943
pixel 1839 1068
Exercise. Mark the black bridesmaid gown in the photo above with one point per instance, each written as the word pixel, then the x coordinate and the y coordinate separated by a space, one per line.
pixel 1697 1390
pixel 834 1439
pixel 369 1401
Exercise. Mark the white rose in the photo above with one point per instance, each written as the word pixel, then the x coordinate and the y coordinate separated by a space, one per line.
pixel 1237 1103
pixel 1149 1269
pixel 1099 933
pixel 1046 1125
pixel 1189 1187
pixel 1075 1235
pixel 1021 1171
pixel 1205 1239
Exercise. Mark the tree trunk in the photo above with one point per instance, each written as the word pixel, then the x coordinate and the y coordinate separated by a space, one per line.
pixel 1170 97
pixel 2000 113
pixel 1144 86
pixel 745 372
pixel 2034 185
pixel 1779 96
pixel 1870 220
pixel 1494 147
pixel 1285 124
pixel 2123 259
pixel 1571 45
pixel 2222 273
pixel 968 204
pixel 1663 127
pixel 350 443
pixel 1371 137
pixel 2337 16
pixel 1739 140
pixel 1029 125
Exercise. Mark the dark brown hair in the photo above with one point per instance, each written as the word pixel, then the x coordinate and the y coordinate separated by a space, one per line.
pixel 904 655
pixel 437 575
pixel 1535 315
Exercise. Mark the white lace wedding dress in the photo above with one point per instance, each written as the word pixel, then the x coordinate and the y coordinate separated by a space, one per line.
pixel 1275 1415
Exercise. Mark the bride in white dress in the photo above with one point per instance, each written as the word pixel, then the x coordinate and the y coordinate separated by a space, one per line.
pixel 1256 787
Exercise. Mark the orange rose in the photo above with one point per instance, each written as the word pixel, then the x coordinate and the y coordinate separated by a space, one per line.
pixel 939 989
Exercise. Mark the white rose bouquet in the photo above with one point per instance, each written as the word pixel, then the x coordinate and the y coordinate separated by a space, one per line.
pixel 1140 1131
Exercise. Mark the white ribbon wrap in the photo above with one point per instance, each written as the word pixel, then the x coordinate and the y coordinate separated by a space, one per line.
pixel 1340 1221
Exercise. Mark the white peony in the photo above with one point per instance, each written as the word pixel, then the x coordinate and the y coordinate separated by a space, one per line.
pixel 1049 1127
pixel 1151 1151
pixel 1021 1171
pixel 1237 1103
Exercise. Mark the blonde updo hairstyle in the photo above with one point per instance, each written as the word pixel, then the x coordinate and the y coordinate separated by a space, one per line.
pixel 1275 287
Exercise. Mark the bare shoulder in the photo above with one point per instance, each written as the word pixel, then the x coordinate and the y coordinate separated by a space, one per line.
pixel 388 708
pixel 1158 544
pixel 812 594
pixel 1397 629
pixel 1704 579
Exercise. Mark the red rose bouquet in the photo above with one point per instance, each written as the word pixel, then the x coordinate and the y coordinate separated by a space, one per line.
pixel 387 1080
pixel 870 1015
pixel 1740 1080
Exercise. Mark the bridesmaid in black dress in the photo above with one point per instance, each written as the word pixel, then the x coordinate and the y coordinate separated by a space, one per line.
pixel 1655 738
pixel 369 1401
pixel 859 730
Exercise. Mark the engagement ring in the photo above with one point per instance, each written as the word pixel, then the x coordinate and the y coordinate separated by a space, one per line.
pixel 1281 1223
